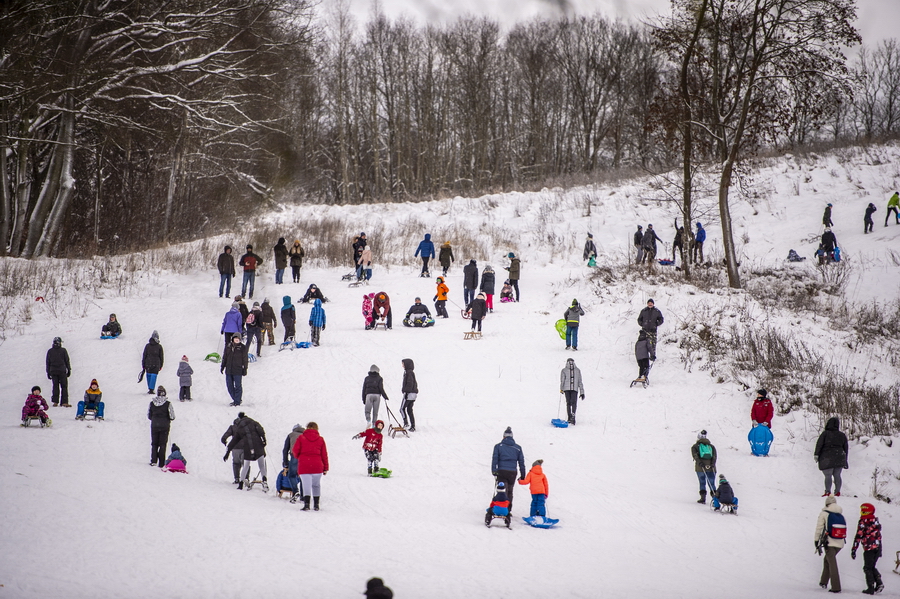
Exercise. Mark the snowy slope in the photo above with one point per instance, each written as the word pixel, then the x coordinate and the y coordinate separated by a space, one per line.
pixel 85 516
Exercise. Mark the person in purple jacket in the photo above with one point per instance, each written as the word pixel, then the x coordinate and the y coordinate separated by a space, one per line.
pixel 233 322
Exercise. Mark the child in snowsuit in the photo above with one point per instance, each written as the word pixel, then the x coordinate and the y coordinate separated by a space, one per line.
pixel 288 318
pixel 440 298
pixel 499 505
pixel 477 310
pixel 506 292
pixel 868 532
pixel 176 462
pixel 111 328
pixel 184 379
pixel 372 445
pixel 35 407
pixel 367 309
pixel 283 483
pixel 724 495
pixel 539 487
pixel 316 321
pixel 91 401
pixel 642 352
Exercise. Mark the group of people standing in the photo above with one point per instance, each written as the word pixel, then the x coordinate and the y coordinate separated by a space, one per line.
pixel 645 244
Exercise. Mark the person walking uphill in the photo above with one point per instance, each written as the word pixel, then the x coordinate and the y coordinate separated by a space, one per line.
pixel 426 248
pixel 59 370
pixel 160 414
pixel 281 261
pixel 514 269
pixel 638 247
pixel 446 257
pixel 440 298
pixel 893 207
pixel 704 454
pixel 410 389
pixel 288 318
pixel 250 262
pixel 372 392
pixel 650 319
pixel 233 322
pixel 269 321
pixel 831 533
pixel 868 532
pixel 826 217
pixel 507 455
pixel 590 249
pixel 152 362
pixel 573 315
pixel 312 464
pixel 249 436
pixel 868 223
pixel 488 282
pixel 762 410
pixel 234 367
pixel 831 454
pixel 226 271
pixel 470 281
pixel 290 462
pixel 571 386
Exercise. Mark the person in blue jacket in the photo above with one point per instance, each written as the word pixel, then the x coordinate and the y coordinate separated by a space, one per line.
pixel 507 454
pixel 316 321
pixel 233 322
pixel 697 249
pixel 426 248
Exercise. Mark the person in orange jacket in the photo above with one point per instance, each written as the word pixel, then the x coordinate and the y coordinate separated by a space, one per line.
pixel 440 298
pixel 539 488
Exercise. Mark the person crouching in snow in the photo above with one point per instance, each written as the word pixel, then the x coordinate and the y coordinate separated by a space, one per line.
pixel 499 504
pixel 868 532
pixel 176 462
pixel 35 407
pixel 316 321
pixel 724 495
pixel 372 445
pixel 539 487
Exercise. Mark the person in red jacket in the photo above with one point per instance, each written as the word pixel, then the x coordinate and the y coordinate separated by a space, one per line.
pixel 868 532
pixel 312 463
pixel 762 410
pixel 382 308
pixel 372 445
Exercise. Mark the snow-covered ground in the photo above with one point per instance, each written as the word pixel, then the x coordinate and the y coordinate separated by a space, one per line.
pixel 85 516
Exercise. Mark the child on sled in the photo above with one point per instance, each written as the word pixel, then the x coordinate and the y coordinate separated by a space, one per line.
pixel 499 507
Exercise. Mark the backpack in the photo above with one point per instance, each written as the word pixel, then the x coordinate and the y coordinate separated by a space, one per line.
pixel 705 451
pixel 836 527
pixel 251 319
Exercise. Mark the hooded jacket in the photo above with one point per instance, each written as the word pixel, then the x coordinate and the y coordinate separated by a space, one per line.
pixel 537 481
pixel 317 315
pixel 830 508
pixel 570 378
pixel 638 236
pixel 701 234
pixel 160 413
pixel 153 359
pixel 289 444
pixel 112 327
pixel 868 532
pixel 831 447
pixel 365 258
pixel 703 464
pixel 367 307
pixel 373 384
pixel 514 268
pixel 426 247
pixel 446 255
pixel 442 291
pixel 409 385
pixel 488 280
pixel 311 453
pixel 57 361
pixel 281 254
pixel 34 406
pixel 288 313
pixel 590 249
pixel 250 436
pixel 185 371
pixel 296 253
pixel 372 437
pixel 642 347
pixel 470 275
pixel 225 263
pixel 762 411
pixel 573 314
pixel 506 455
pixel 233 321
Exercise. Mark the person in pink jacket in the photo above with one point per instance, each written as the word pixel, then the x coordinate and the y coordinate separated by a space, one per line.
pixel 539 487
pixel 312 463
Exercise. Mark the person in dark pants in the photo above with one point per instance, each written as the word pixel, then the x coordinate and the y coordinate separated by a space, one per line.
pixel 59 370
pixel 868 532
pixel 477 310
pixel 288 318
pixel 514 269
pixel 487 286
pixel 638 248
pixel 648 243
pixel 829 242
pixel 289 461
pixel 868 223
pixel 830 546
pixel 571 386
pixel 234 366
pixel 281 261
pixel 826 217
pixel 651 319
pixel 446 257
pixel 893 207
pixel 470 282
pixel 237 453
pixel 381 309
pixel 152 362
pixel 226 271
pixel 160 414
pixel 426 248
pixel 831 454
pixel 678 243
pixel 410 390
pixel 250 262
pixel 507 454
pixel 642 355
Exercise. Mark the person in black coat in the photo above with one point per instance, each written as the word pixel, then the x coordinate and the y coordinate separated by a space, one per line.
pixel 152 362
pixel 639 250
pixel 590 249
pixel 234 366
pixel 867 221
pixel 650 319
pixel 160 414
pixel 250 436
pixel 410 390
pixel 488 282
pixel 829 242
pixel 59 370
pixel 111 328
pixel 312 294
pixel 418 308
pixel 831 454
pixel 226 271
pixel 470 281
pixel 648 243
pixel 826 217
pixel 477 310
pixel 678 243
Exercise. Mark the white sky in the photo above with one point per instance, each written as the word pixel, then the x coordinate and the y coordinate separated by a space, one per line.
pixel 878 19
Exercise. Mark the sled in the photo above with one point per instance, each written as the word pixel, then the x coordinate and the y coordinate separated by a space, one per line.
pixel 257 480
pixel 507 519
pixel 89 414
pixel 251 357
pixel 837 254
pixel 382 473
pixel 724 508
pixel 394 425
pixel 560 423
pixel 896 569
pixel 141 375
pixel 349 276
pixel 592 261
pixel 175 466
pixel 381 324
pixel 29 419
pixel 760 438
pixel 213 357
pixel 110 336
pixel 289 344
pixel 303 344
pixel 643 381
pixel 561 328
pixel 540 521
pixel 471 335
pixel 418 323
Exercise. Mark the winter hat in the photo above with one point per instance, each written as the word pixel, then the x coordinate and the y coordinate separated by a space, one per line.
pixel 762 392
pixel 374 368
pixel 184 358
pixel 296 242
pixel 112 316
pixel 501 486
pixel 650 301
pixel 266 300
pixel 160 391
pixel 507 432
pixel 235 305
pixel 829 500
pixel 701 435
pixel 367 246
pixel 236 336
pixel 241 414
pixel 418 299
pixel 94 382
pixel 510 255
pixel 175 448
pixel 829 205
pixel 867 509
pixel 155 336
pixel 377 422
pixel 256 304
pixel 440 279
pixel 57 341
pixel 537 463
pixel 590 236
pixel 574 302
pixel 281 241
pixel 238 298
pixel 640 228
pixel 488 268
pixel 35 388
pixel 362 234
pixel 249 246
pixel 649 226
pixel 722 479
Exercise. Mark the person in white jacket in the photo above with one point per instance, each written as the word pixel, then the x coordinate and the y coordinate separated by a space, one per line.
pixel 830 544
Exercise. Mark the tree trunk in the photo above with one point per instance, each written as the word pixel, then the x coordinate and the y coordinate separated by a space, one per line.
pixel 734 279
pixel 65 187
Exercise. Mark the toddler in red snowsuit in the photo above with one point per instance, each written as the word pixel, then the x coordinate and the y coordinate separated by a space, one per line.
pixel 34 406
pixel 372 439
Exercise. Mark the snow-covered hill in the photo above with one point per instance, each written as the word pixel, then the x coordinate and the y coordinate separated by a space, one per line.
pixel 85 516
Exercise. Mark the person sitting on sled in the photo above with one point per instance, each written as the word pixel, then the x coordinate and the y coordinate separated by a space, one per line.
pixel 176 462
pixel 283 482
pixel 539 487
pixel 506 293
pixel 35 407
pixel 372 445
pixel 93 400
pixel 418 315
pixel 724 495
pixel 499 504
pixel 111 328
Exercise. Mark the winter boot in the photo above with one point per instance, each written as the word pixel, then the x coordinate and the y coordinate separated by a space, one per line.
pixel 316 504
pixel 295 497
pixel 245 483
pixel 240 483
pixel 236 468
pixel 306 503
pixel 369 469
pixel 265 485
pixel 702 497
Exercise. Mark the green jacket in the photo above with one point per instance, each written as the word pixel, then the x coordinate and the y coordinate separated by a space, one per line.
pixel 703 464
pixel 894 201
pixel 513 269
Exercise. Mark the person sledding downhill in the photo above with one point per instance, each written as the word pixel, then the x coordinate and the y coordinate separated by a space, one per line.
pixel 499 507
pixel 724 499
pixel 35 407
pixel 372 440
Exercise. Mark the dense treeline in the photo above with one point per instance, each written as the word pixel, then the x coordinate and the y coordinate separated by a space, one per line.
pixel 124 124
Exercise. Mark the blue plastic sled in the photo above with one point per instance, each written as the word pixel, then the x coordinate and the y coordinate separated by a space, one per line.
pixel 541 522
pixel 837 254
pixel 109 336
pixel 559 423
pixel 760 438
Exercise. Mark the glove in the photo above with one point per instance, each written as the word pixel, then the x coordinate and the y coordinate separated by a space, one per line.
pixel 225 458
pixel 434 299
pixel 355 437
pixel 853 554
pixel 49 378
pixel 310 323
pixel 582 397
pixel 222 370
pixel 68 373
pixel 324 473
pixel 755 423
pixel 494 474
pixel 244 372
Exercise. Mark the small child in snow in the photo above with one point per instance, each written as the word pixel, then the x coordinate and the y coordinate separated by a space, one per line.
pixel 372 445
pixel 283 483
pixel 176 462
pixel 184 379
pixel 93 400
pixel 111 328
pixel 506 294
pixel 724 495
pixel 316 321
pixel 367 309
pixel 35 407
pixel 499 504
pixel 868 532
pixel 539 488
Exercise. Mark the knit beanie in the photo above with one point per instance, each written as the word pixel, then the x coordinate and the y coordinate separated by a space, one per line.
pixel 537 463
pixel 701 435
pixel 829 500
pixel 508 432
pixel 175 448
pixel 374 368
pixel 184 358
pixel 235 305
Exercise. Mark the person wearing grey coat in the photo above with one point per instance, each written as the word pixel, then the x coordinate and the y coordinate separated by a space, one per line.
pixel 290 462
pixel 642 353
pixel 184 379
pixel 571 386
